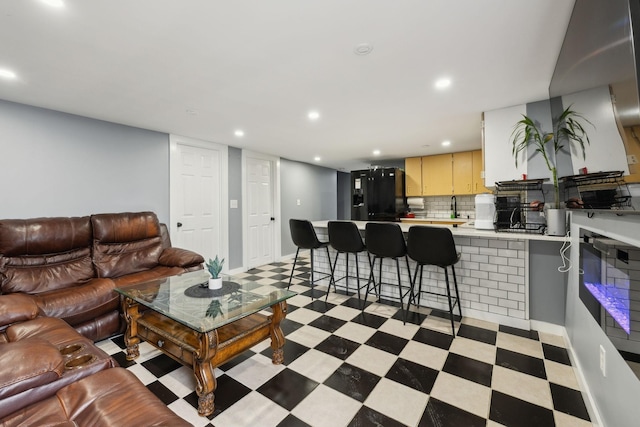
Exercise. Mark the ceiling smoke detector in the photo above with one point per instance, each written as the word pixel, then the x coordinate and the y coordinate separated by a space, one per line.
pixel 363 49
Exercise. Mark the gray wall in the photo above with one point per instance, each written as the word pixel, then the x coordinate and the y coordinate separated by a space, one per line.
pixel 547 286
pixel 235 215
pixel 57 164
pixel 344 196
pixel 315 187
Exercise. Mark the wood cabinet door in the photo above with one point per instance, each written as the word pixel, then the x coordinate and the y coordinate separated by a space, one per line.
pixel 437 175
pixel 478 180
pixel 413 176
pixel 463 173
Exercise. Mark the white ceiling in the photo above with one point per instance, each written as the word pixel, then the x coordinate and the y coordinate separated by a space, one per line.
pixel 204 68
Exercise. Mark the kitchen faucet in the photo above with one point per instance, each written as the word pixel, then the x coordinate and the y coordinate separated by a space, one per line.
pixel 454 207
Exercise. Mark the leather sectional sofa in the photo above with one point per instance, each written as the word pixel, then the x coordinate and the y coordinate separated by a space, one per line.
pixel 50 375
pixel 57 280
pixel 70 266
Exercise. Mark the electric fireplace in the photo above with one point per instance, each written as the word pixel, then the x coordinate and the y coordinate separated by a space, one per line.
pixel 610 288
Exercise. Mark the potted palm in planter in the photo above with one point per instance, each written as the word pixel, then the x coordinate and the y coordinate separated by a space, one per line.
pixel 567 129
pixel 215 267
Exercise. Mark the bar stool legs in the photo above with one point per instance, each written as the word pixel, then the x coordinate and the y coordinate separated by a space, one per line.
pixel 304 237
pixel 378 287
pixel 346 276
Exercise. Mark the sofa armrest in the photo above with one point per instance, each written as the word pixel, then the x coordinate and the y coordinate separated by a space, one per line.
pixel 28 364
pixel 176 257
pixel 16 308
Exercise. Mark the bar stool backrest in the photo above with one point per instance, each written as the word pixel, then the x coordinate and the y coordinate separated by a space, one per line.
pixel 303 234
pixel 431 245
pixel 344 236
pixel 385 240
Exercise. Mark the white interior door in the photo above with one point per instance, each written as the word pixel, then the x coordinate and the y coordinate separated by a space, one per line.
pixel 198 196
pixel 261 225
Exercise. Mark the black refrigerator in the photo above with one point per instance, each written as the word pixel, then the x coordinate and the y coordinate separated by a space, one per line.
pixel 377 194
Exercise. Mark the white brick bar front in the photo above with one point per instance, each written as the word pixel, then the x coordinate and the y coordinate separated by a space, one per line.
pixel 493 276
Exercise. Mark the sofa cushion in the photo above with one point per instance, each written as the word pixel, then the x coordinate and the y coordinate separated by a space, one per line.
pixel 42 254
pixel 28 364
pixel 42 273
pixel 53 330
pixel 16 308
pixel 81 303
pixel 114 397
pixel 125 243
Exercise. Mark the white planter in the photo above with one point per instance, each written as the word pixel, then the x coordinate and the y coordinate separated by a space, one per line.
pixel 556 222
pixel 215 283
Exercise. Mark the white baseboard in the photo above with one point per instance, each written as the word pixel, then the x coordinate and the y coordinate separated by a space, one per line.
pixel 495 318
pixel 549 328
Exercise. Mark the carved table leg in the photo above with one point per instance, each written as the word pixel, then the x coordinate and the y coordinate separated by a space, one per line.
pixel 205 377
pixel 131 315
pixel 277 336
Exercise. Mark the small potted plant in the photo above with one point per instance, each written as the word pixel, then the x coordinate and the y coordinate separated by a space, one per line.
pixel 215 267
pixel 567 130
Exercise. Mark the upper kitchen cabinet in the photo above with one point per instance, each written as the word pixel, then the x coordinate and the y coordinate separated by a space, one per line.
pixel 499 164
pixel 445 174
pixel 413 176
pixel 437 175
pixel 606 151
pixel 478 174
pixel 463 173
pixel 632 145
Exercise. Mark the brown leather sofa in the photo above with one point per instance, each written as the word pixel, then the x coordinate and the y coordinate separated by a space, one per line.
pixel 51 375
pixel 69 266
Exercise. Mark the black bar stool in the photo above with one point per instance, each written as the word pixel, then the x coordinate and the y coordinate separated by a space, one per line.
pixel 434 246
pixel 304 237
pixel 345 238
pixel 385 240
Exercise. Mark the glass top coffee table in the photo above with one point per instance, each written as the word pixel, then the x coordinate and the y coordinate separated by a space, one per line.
pixel 203 328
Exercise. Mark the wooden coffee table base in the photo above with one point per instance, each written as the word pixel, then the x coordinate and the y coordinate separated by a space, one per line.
pixel 203 352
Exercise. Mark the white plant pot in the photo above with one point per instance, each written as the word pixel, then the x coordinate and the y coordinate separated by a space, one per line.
pixel 215 283
pixel 556 222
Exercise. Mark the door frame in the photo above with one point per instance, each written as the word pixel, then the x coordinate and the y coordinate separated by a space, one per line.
pixel 275 199
pixel 223 195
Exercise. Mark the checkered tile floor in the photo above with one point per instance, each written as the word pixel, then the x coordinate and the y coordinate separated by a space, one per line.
pixel 347 368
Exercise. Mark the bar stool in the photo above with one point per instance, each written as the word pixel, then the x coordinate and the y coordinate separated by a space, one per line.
pixel 304 237
pixel 434 246
pixel 345 238
pixel 385 240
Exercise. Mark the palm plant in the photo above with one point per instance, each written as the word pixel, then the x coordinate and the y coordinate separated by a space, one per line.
pixel 567 129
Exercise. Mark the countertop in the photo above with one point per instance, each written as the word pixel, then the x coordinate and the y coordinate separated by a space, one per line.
pixel 465 229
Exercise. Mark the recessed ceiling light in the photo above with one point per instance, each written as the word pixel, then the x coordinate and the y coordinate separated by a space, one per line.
pixel 7 74
pixel 317 158
pixel 446 143
pixel 239 133
pixel 53 3
pixel 443 83
pixel 363 49
pixel 376 152
pixel 313 115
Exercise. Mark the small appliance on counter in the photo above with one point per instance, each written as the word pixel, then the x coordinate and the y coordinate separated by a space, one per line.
pixel 485 211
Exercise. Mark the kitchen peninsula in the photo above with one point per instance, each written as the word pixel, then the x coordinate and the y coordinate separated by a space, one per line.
pixel 503 277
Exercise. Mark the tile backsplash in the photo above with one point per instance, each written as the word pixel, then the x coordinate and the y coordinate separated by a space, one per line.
pixel 440 207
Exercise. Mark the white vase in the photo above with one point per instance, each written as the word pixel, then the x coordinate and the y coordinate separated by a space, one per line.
pixel 556 222
pixel 215 283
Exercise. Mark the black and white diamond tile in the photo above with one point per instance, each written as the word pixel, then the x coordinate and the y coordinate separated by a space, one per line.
pixel 348 367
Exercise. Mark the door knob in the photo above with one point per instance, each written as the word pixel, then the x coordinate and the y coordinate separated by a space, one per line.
pixel 273 219
pixel 179 224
